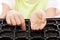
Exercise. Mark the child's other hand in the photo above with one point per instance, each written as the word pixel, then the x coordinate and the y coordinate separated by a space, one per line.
pixel 14 18
pixel 38 20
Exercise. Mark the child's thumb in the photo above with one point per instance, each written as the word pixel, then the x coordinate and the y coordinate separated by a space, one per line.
pixel 5 9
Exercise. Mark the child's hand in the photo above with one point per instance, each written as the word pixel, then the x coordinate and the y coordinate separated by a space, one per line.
pixel 38 21
pixel 15 18
pixel 12 18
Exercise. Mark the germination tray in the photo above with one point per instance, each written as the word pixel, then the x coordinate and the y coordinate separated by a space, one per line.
pixel 50 32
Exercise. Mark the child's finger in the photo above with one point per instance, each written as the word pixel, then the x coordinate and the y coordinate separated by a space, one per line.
pixel 34 20
pixel 34 26
pixel 23 26
pixel 43 20
pixel 42 25
pixel 17 19
pixel 13 21
pixel 8 20
pixel 41 17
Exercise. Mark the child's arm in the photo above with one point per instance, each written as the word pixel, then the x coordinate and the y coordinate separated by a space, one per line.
pixel 51 8
pixel 5 9
pixel 51 12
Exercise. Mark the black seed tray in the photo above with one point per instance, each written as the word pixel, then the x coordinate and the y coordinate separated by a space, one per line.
pixel 50 32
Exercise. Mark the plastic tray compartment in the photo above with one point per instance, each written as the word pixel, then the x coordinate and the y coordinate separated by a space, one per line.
pixel 21 39
pixel 1 21
pixel 7 27
pixel 28 24
pixel 50 26
pixel 58 21
pixel 51 21
pixel 21 34
pixel 52 33
pixel 53 38
pixel 59 27
pixel 18 28
pixel 37 39
pixel 6 38
pixel 6 34
pixel 37 33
